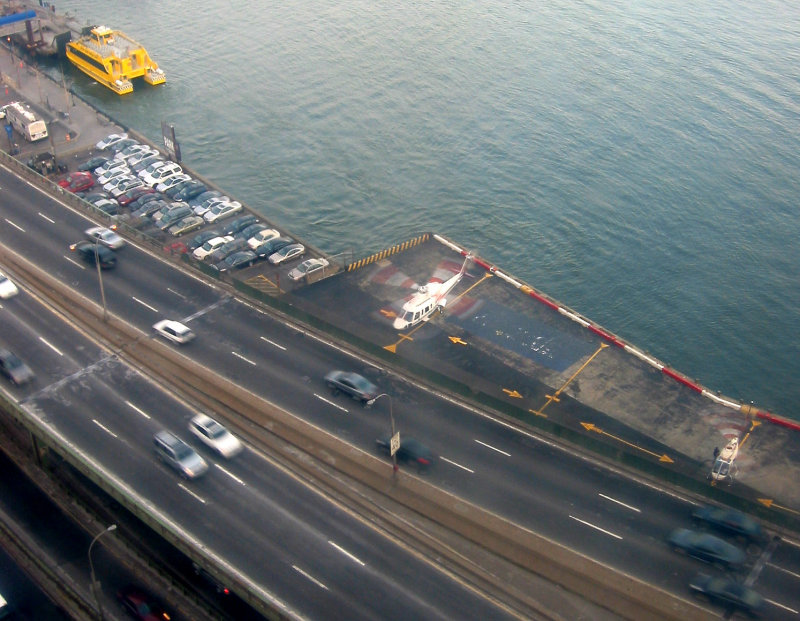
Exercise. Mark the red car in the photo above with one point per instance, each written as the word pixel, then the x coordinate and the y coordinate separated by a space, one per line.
pixel 140 605
pixel 133 194
pixel 77 181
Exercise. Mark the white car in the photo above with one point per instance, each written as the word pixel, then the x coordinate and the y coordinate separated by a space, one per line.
pixel 162 173
pixel 173 331
pixel 262 236
pixel 207 204
pixel 110 140
pixel 287 253
pixel 105 237
pixel 172 181
pixel 109 166
pixel 215 436
pixel 113 174
pixel 130 151
pixel 210 246
pixel 115 181
pixel 125 185
pixel 222 210
pixel 308 267
pixel 153 167
pixel 138 157
pixel 7 288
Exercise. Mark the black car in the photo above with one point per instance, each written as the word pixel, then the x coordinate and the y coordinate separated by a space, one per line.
pixel 271 246
pixel 140 605
pixel 91 164
pixel 730 521
pixel 237 260
pixel 144 163
pixel 204 196
pixel 706 547
pixel 226 249
pixel 727 592
pixel 249 231
pixel 146 198
pixel 411 451
pixel 90 252
pixel 201 238
pixel 14 368
pixel 191 190
pixel 173 191
pixel 234 226
pixel 352 384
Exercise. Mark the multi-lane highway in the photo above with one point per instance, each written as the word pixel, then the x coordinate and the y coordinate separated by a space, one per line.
pixel 313 557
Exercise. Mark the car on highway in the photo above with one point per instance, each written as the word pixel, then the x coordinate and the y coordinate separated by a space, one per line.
pixel 187 224
pixel 173 331
pixel 261 237
pixel 92 163
pixel 411 452
pixel 91 253
pixel 110 140
pixel 12 367
pixel 105 236
pixel 222 210
pixel 727 592
pixel 237 260
pixel 140 605
pixel 706 547
pixel 7 288
pixel 210 246
pixel 201 238
pixel 76 181
pixel 729 521
pixel 287 253
pixel 308 268
pixel 215 436
pixel 351 384
pixel 177 454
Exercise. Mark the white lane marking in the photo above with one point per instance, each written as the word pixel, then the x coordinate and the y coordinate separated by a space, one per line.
pixel 602 530
pixel 783 569
pixel 273 343
pixel 231 475
pixel 493 448
pixel 145 304
pixel 75 263
pixel 19 228
pixel 243 358
pixel 180 295
pixel 188 491
pixel 207 309
pixel 104 428
pixel 309 577
pixel 619 502
pixel 50 220
pixel 51 346
pixel 142 412
pixel 355 559
pixel 456 465
pixel 774 603
pixel 329 402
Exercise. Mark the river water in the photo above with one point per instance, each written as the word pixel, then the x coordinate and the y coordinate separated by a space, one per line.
pixel 637 160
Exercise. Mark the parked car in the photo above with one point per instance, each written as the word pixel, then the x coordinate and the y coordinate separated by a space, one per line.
pixel 151 168
pixel 730 521
pixel 108 206
pixel 411 452
pixel 152 195
pixel 7 288
pixel 133 194
pixel 173 331
pixel 706 547
pixel 307 268
pixel 172 181
pixel 122 144
pixel 140 605
pixel 222 210
pixel 235 226
pixel 114 173
pixel 146 162
pixel 178 455
pixel 175 189
pixel 130 151
pixel 105 236
pixel 14 368
pixel 112 184
pixel 237 260
pixel 201 198
pixel 174 215
pixel 270 247
pixel 728 593
pixel 92 163
pixel 186 225
pixel 110 140
pixel 125 185
pixel 210 246
pixel 201 238
pixel 250 230
pixel 148 209
pixel 262 236
pixel 92 253
pixel 191 190
pixel 162 173
pixel 109 166
pixel 287 253
pixel 77 181
pixel 353 385
pixel 215 436
pixel 203 207
pixel 141 155
pixel 227 249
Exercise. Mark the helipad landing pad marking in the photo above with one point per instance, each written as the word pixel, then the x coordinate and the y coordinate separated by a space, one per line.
pixel 555 397
pixel 592 427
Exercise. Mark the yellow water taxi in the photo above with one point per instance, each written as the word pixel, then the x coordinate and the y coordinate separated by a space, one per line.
pixel 113 59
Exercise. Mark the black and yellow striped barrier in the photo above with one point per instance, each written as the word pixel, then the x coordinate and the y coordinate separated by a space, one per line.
pixel 388 252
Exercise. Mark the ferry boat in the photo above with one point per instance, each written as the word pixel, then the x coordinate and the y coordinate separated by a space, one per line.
pixel 113 59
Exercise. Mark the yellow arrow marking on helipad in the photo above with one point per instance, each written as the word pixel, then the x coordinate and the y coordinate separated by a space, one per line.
pixel 593 427
pixel 767 502
pixel 512 393
pixel 457 340
pixel 388 313
pixel 538 413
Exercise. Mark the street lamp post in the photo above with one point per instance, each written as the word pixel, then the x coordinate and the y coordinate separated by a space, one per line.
pixel 94 585
pixel 100 278
pixel 393 448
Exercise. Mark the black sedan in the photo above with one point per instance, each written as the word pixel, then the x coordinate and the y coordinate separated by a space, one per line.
pixel 727 592
pixel 706 547
pixel 237 260
pixel 91 164
pixel 730 521
pixel 14 368
pixel 411 452
pixel 272 246
pixel 140 605
pixel 352 384
pixel 90 253
pixel 201 238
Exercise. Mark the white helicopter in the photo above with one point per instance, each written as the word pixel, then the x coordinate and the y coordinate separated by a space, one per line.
pixel 428 298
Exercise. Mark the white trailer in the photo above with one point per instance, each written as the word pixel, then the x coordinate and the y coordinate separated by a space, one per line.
pixel 22 118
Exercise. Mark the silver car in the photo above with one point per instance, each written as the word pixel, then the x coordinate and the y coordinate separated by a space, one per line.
pixel 178 455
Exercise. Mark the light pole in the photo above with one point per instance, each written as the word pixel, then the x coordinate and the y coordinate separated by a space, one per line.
pixel 100 278
pixel 94 585
pixel 394 441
